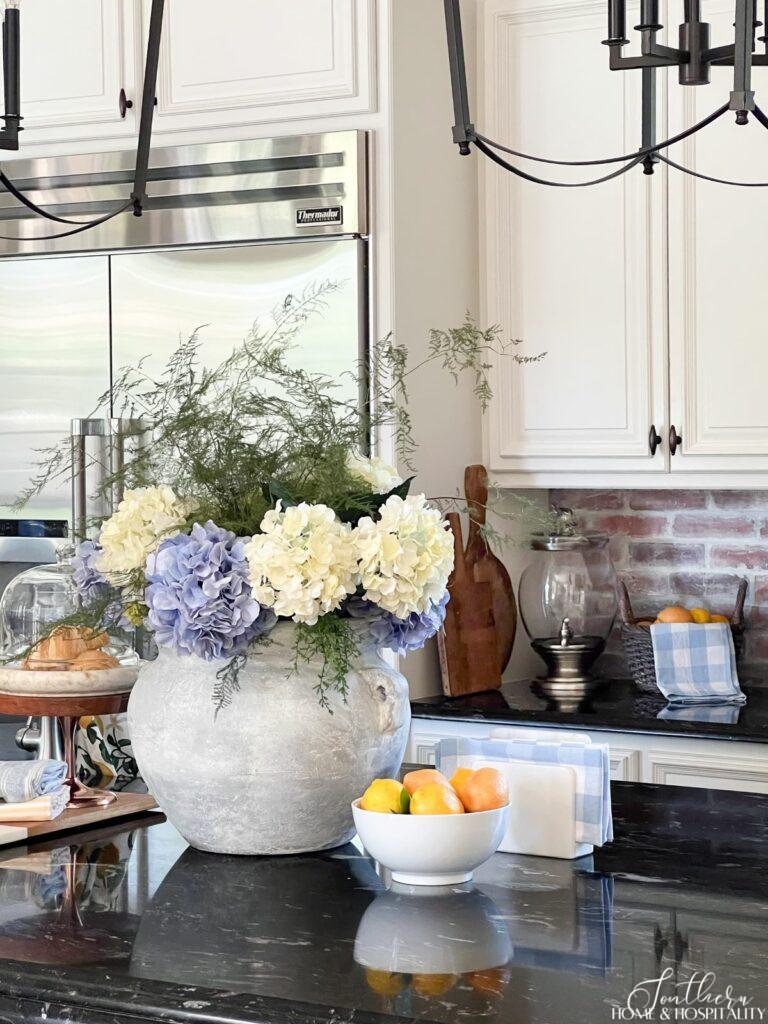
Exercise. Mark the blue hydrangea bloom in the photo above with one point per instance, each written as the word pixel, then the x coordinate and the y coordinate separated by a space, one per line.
pixel 404 635
pixel 199 598
pixel 88 580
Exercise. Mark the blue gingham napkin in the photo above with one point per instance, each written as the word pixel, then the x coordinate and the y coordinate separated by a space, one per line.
pixel 713 714
pixel 594 818
pixel 696 664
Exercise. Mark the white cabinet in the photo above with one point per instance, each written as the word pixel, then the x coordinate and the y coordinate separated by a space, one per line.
pixel 717 335
pixel 658 758
pixel 567 270
pixel 246 63
pixel 645 292
pixel 75 58
pixel 237 65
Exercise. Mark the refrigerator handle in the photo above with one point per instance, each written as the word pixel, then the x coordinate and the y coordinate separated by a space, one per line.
pixel 111 458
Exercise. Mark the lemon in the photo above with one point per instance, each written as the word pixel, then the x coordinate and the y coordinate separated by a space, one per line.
pixel 700 615
pixel 384 983
pixel 386 796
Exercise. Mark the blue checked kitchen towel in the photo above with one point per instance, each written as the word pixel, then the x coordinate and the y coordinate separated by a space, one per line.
pixel 594 819
pixel 696 664
pixel 26 780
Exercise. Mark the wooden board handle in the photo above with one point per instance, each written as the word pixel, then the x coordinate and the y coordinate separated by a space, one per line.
pixel 454 519
pixel 476 490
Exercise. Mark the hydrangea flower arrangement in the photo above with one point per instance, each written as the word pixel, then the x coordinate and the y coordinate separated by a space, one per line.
pixel 251 500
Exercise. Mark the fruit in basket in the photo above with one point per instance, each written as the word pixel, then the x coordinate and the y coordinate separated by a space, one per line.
pixel 436 798
pixel 701 616
pixel 386 796
pixel 675 613
pixel 423 777
pixel 717 617
pixel 484 790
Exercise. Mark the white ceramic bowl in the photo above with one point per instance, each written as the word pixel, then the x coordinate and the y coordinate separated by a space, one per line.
pixel 431 849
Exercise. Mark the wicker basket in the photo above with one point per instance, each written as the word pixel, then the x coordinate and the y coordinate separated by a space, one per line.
pixel 638 646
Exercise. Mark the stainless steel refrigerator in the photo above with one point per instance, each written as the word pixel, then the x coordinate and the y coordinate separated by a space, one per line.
pixel 231 229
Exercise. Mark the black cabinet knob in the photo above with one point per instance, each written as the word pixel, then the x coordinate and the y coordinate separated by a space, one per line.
pixel 654 439
pixel 124 104
pixel 675 440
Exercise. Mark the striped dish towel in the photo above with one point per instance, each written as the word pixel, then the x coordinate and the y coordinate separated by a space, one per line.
pixel 594 819
pixel 696 664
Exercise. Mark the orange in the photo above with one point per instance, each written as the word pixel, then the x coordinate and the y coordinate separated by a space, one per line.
pixel 485 790
pixel 700 615
pixel 674 614
pixel 720 618
pixel 384 983
pixel 460 776
pixel 435 798
pixel 413 780
pixel 433 984
pixel 491 982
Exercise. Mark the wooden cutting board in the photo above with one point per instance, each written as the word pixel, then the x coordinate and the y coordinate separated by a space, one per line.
pixel 481 617
pixel 126 805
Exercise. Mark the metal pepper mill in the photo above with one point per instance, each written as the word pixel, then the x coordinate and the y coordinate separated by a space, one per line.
pixel 568 660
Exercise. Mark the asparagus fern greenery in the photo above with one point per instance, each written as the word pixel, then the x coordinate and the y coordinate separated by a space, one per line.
pixel 270 457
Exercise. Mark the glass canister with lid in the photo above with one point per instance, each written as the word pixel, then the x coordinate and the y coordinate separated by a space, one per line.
pixel 567 598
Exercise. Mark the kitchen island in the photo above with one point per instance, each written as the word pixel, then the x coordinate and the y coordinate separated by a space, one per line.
pixel 153 930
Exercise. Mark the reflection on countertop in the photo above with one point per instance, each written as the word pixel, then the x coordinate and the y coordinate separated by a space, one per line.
pixel 616 706
pixel 132 921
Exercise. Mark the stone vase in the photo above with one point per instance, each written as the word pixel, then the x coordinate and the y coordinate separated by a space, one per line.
pixel 274 772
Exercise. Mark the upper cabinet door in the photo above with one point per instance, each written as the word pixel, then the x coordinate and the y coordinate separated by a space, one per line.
pixel 250 63
pixel 75 58
pixel 569 271
pixel 718 343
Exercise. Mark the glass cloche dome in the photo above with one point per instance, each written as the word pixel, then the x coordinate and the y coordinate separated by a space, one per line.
pixel 34 600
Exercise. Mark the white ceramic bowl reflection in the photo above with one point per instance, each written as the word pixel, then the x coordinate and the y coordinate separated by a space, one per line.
pixel 437 930
pixel 431 849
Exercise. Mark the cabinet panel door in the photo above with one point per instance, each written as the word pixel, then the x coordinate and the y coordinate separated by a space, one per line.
pixel 719 355
pixel 75 58
pixel 569 270
pixel 247 63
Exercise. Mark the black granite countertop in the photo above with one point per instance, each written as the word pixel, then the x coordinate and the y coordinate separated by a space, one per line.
pixel 153 930
pixel 618 706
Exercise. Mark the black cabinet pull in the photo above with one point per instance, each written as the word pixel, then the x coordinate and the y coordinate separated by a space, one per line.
pixel 124 104
pixel 675 440
pixel 654 439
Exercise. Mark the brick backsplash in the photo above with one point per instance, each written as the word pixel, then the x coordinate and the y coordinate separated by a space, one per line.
pixel 691 547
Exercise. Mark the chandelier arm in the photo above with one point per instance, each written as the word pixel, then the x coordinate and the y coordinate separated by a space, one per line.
pixel 757 112
pixel 17 194
pixel 686 133
pixel 74 231
pixel 709 177
pixel 555 184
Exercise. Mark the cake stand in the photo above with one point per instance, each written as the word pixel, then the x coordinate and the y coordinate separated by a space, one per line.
pixel 69 709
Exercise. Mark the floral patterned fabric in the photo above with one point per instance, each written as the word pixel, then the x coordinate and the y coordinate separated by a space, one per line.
pixel 104 752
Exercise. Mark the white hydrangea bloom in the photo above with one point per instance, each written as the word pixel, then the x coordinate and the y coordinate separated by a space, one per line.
pixel 377 473
pixel 144 517
pixel 406 556
pixel 304 562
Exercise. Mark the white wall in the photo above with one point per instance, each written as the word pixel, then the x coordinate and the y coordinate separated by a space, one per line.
pixel 435 270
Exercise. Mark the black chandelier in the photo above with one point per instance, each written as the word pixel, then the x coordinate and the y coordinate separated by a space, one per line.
pixel 9 133
pixel 693 57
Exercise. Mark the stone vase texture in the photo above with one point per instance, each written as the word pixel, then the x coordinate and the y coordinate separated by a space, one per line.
pixel 273 772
